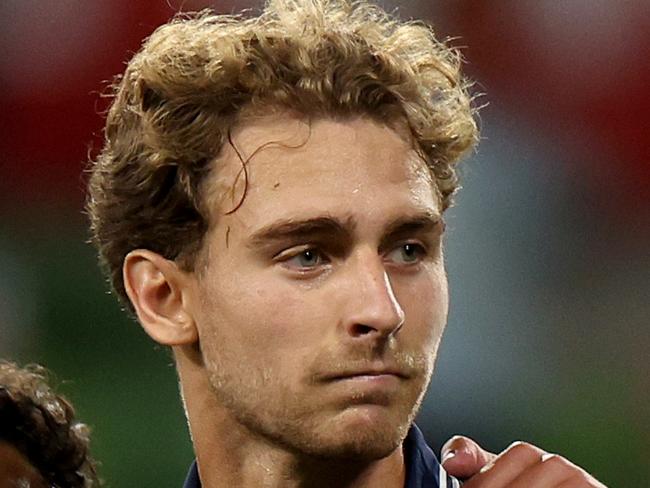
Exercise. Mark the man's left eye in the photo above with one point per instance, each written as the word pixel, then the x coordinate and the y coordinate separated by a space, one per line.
pixel 408 253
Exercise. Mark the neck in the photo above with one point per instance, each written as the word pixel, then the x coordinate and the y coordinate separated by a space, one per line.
pixel 228 454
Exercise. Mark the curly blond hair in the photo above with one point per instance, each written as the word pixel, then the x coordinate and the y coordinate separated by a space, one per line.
pixel 194 77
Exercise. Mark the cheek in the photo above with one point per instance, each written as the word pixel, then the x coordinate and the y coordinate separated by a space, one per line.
pixel 425 301
pixel 258 317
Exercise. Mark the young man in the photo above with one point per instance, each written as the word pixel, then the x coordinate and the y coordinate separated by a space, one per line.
pixel 269 203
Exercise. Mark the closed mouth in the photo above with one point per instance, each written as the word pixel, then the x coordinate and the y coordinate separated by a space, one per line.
pixel 365 373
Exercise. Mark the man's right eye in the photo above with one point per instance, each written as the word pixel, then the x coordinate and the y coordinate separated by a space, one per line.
pixel 304 260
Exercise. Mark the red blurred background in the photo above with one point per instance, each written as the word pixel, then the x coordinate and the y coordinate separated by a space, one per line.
pixel 577 69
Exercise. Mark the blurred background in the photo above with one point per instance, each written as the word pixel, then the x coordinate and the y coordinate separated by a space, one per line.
pixel 548 245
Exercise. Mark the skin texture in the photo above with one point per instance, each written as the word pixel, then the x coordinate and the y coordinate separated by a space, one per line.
pixel 306 337
pixel 278 316
pixel 521 465
pixel 281 317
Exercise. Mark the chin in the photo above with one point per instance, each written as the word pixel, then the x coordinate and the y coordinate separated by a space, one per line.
pixel 360 446
pixel 362 434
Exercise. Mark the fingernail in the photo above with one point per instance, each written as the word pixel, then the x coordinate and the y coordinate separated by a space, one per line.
pixel 547 456
pixel 486 467
pixel 446 456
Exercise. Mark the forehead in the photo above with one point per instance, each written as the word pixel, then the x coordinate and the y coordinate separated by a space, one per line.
pixel 285 166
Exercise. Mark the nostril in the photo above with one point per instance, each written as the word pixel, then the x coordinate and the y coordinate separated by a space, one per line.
pixel 361 329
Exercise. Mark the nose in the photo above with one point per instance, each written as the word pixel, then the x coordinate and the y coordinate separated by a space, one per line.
pixel 372 308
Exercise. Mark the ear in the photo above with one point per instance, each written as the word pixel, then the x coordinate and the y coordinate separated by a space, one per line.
pixel 159 292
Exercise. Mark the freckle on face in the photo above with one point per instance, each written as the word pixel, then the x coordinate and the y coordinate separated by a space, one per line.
pixel 267 336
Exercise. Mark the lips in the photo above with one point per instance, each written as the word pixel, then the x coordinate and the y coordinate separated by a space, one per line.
pixel 369 373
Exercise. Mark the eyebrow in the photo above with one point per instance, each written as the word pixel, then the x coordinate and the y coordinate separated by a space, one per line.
pixel 313 227
pixel 342 229
pixel 422 223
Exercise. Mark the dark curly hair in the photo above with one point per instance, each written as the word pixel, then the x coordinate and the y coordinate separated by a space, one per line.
pixel 199 75
pixel 41 425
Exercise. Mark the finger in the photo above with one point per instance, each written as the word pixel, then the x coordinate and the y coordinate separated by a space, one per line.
pixel 550 470
pixel 508 465
pixel 581 480
pixel 462 457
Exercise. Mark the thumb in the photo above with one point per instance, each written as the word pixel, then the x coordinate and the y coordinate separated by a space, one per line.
pixel 462 457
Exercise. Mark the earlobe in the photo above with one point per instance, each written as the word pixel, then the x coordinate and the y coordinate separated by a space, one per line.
pixel 158 291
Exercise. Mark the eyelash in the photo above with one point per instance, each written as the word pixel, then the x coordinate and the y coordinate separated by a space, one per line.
pixel 285 257
pixel 419 249
pixel 301 253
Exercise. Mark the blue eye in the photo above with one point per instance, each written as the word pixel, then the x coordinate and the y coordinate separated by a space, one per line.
pixel 309 258
pixel 408 253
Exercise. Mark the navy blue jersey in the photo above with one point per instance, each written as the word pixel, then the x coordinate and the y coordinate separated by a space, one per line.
pixel 422 468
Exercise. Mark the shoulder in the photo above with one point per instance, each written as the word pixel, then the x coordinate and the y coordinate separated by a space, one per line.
pixel 422 467
pixel 192 479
